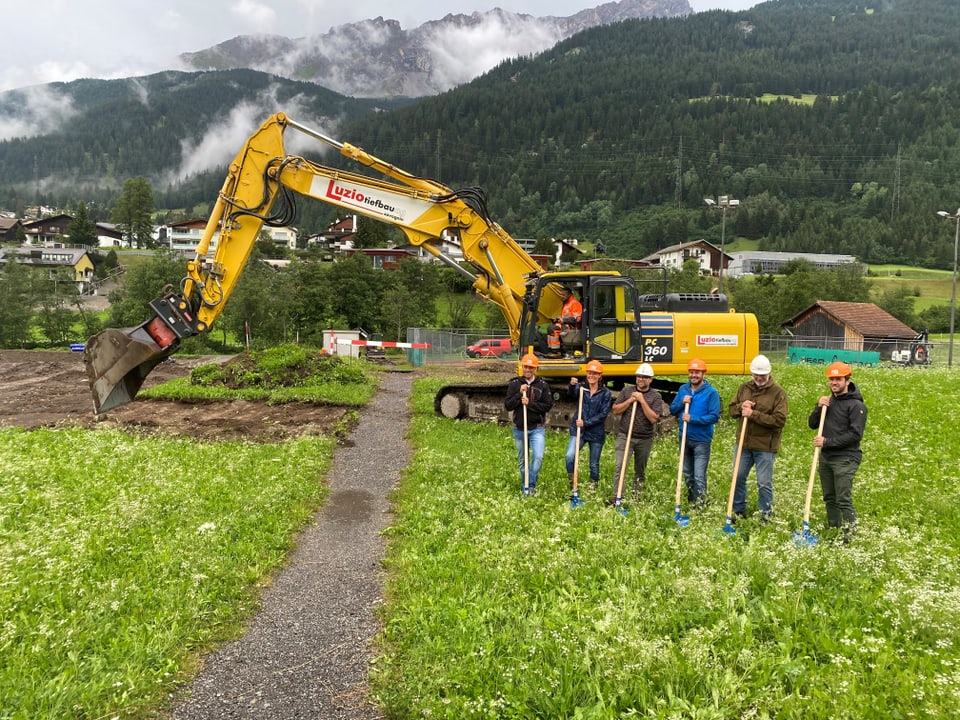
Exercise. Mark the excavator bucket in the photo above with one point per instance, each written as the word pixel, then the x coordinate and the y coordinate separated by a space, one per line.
pixel 118 361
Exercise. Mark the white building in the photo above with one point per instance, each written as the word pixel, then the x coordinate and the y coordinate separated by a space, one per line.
pixel 757 262
pixel 185 236
pixel 674 257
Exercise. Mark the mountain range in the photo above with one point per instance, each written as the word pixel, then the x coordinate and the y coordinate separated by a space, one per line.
pixel 833 123
pixel 377 58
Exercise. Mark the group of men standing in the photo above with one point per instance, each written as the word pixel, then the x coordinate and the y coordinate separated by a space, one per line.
pixel 760 405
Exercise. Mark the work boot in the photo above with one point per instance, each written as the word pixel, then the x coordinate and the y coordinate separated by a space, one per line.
pixel 593 485
pixel 637 487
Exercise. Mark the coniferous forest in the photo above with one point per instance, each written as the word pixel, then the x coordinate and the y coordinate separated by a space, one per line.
pixel 833 122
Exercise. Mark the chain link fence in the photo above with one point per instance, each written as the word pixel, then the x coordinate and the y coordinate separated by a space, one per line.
pixel 451 345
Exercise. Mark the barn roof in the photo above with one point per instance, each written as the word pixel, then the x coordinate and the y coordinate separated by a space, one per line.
pixel 865 318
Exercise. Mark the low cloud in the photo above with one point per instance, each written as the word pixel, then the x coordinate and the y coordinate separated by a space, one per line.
pixel 221 141
pixel 38 111
pixel 259 17
pixel 463 53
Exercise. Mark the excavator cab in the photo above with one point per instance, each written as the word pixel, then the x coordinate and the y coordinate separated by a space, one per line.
pixel 607 328
pixel 612 323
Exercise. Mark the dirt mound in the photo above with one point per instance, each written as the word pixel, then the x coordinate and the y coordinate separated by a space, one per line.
pixel 49 389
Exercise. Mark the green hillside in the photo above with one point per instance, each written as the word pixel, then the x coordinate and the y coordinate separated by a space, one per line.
pixel 833 122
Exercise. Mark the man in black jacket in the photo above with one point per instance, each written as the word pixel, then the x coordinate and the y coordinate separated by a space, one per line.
pixel 531 396
pixel 840 453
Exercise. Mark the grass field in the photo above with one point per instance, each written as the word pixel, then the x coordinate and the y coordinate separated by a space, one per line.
pixel 503 607
pixel 928 287
pixel 115 574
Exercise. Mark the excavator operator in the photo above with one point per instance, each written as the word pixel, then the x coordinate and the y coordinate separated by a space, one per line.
pixel 566 326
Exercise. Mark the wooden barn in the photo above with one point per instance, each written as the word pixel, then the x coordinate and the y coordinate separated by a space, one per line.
pixel 848 326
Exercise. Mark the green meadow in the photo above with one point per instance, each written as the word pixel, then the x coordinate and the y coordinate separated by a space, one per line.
pixel 124 557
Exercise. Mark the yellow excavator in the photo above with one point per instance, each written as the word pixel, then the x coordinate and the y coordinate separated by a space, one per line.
pixel 618 325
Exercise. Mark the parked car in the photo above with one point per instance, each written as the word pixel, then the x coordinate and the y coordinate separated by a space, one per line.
pixel 491 347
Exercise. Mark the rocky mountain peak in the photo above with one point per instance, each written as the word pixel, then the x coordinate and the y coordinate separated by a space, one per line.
pixel 378 58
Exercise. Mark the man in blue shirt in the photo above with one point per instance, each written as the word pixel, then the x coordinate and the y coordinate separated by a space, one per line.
pixel 698 404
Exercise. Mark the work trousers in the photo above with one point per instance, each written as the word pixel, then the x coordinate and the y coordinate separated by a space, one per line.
pixel 640 449
pixel 836 481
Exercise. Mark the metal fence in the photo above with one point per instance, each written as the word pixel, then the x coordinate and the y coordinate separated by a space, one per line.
pixel 451 345
pixel 776 347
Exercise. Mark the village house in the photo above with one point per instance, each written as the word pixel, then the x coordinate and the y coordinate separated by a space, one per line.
pixel 706 254
pixel 53 258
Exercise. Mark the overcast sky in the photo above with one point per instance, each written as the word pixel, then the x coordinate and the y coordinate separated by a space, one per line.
pixel 60 40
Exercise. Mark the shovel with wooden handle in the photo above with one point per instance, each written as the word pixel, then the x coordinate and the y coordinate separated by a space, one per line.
pixel 681 520
pixel 526 443
pixel 729 528
pixel 575 501
pixel 623 465
pixel 804 538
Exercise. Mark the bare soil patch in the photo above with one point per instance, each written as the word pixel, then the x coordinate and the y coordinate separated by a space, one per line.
pixel 50 389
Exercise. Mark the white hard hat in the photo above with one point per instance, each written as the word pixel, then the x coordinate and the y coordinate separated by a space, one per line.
pixel 645 370
pixel 760 365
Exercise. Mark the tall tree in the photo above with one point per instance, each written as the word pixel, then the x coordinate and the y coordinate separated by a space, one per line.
pixel 371 234
pixel 15 310
pixel 83 231
pixel 133 211
pixel 410 299
pixel 357 292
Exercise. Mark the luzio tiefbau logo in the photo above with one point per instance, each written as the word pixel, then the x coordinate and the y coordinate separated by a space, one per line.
pixel 717 340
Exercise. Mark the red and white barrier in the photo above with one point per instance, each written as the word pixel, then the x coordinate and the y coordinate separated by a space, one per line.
pixel 386 344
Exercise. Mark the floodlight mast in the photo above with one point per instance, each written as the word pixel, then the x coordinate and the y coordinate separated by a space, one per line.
pixel 953 293
pixel 722 203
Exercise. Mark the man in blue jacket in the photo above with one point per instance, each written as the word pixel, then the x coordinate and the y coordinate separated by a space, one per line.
pixel 698 404
pixel 591 419
pixel 839 444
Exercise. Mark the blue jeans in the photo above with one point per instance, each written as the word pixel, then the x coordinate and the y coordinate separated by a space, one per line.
pixel 537 440
pixel 596 447
pixel 763 461
pixel 696 457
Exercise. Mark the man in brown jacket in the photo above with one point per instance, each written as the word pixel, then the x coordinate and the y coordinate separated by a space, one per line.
pixel 764 405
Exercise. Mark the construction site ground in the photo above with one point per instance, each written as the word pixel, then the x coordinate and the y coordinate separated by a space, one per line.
pixel 50 389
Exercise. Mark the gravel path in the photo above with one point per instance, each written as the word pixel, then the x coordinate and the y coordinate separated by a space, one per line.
pixel 306 653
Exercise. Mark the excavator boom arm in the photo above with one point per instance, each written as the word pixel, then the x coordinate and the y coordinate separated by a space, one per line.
pixel 118 361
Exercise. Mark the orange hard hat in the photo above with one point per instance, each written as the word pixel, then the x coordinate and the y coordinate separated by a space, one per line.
pixel 594 366
pixel 697 364
pixel 838 369
pixel 531 360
